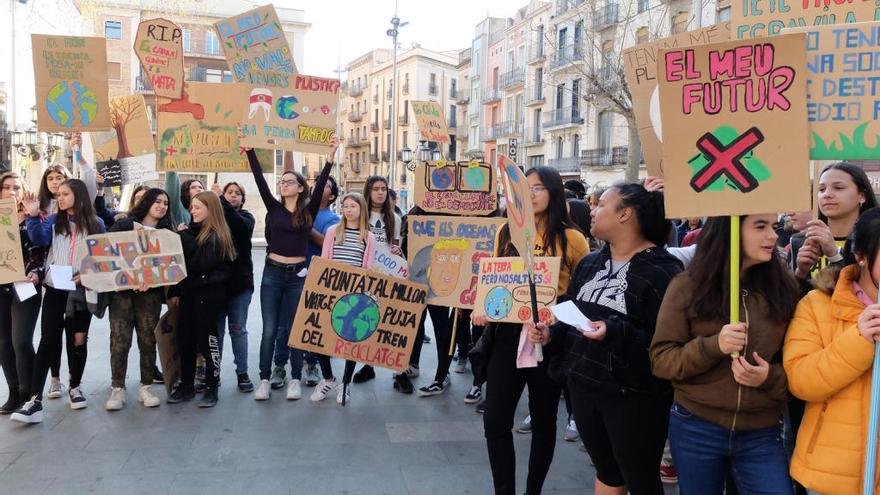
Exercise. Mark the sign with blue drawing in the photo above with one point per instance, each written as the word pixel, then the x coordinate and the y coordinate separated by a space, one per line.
pixel 503 289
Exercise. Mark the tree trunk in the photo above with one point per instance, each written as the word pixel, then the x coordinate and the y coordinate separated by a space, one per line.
pixel 634 151
pixel 123 143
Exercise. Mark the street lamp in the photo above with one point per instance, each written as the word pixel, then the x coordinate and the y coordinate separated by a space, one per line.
pixel 406 154
pixel 393 32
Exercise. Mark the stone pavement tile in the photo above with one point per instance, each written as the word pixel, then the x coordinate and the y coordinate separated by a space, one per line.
pixel 471 452
pixel 170 436
pixel 395 454
pixel 421 480
pixel 7 459
pixel 433 431
pixel 28 483
pixel 129 484
pixel 352 480
pixel 69 464
pixel 222 483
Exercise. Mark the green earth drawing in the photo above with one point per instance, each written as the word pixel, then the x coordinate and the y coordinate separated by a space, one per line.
pixel 355 317
pixel 67 100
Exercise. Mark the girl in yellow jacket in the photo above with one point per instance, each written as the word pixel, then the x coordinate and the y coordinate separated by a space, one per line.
pixel 827 357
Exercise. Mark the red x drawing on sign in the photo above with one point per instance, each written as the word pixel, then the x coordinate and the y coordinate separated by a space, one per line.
pixel 170 150
pixel 726 160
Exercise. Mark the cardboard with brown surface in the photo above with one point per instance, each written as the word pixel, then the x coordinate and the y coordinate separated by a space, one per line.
pixel 503 289
pixel 256 49
pixel 761 18
pixel 158 46
pixel 11 258
pixel 736 138
pixel 115 261
pixel 520 212
pixel 431 121
pixel 456 188
pixel 70 82
pixel 358 315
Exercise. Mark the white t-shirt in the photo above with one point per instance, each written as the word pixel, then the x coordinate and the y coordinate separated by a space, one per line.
pixel 377 227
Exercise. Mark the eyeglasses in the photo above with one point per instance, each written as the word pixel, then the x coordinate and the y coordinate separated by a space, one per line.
pixel 290 182
pixel 537 189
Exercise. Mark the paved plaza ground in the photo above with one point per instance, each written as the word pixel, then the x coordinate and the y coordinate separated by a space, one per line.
pixel 382 443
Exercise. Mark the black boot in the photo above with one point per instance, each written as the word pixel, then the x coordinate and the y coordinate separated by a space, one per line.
pixel 12 403
pixel 181 393
pixel 210 397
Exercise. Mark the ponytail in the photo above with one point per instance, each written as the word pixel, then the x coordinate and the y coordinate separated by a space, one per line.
pixel 650 211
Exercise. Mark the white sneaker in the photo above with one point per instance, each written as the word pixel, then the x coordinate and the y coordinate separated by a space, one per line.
pixel 147 397
pixel 294 390
pixel 262 392
pixel 30 412
pixel 116 400
pixel 55 389
pixel 323 388
pixel 343 392
pixel 77 399
pixel 412 371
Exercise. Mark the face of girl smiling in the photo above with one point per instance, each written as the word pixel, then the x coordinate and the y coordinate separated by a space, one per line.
pixel 198 211
pixel 159 207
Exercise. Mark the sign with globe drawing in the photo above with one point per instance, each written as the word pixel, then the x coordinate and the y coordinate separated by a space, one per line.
pixel 462 188
pixel 70 81
pixel 358 315
pixel 299 117
pixel 503 289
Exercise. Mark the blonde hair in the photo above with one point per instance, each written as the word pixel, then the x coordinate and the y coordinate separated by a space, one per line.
pixel 215 223
pixel 363 221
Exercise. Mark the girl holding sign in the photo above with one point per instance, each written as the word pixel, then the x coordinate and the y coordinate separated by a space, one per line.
pixel 19 318
pixel 828 354
pixel 290 221
pixel 719 400
pixel 556 236
pixel 352 243
pixel 65 306
pixel 138 309
pixel 620 408
pixel 209 252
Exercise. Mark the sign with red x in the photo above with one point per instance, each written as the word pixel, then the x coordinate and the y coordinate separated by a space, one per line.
pixel 735 138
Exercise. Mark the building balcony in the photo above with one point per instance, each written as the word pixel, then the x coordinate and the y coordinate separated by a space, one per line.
pixel 206 52
pixel 386 124
pixel 376 99
pixel 355 142
pixel 537 53
pixel 490 133
pixel 491 95
pixel 463 97
pixel 606 16
pixel 567 55
pixel 561 118
pixel 355 116
pixel 405 88
pixel 433 89
pixel 533 138
pixel 513 79
pixel 356 91
pixel 568 165
pixel 388 93
pixel 461 132
pixel 536 98
pixel 508 128
pixel 374 126
pixel 605 157
pixel 403 119
pixel 374 158
pixel 385 155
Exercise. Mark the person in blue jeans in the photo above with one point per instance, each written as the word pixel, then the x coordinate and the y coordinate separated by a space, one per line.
pixel 241 288
pixel 730 387
pixel 289 222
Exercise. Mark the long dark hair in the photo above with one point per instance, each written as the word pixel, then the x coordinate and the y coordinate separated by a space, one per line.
pixel 649 208
pixel 301 217
pixel 710 272
pixel 184 191
pixel 387 211
pixel 44 194
pixel 142 208
pixel 83 211
pixel 860 178
pixel 555 221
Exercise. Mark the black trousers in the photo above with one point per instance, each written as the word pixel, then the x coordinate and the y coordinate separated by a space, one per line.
pixel 198 334
pixel 624 435
pixel 18 320
pixel 54 324
pixel 505 386
pixel 442 321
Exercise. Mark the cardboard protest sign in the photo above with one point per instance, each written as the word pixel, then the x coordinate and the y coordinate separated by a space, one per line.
pixel 389 264
pixel 11 258
pixel 116 261
pixel 301 117
pixel 130 141
pixel 520 212
pixel 736 139
pixel 199 132
pixel 111 170
pixel 761 18
pixel 159 47
pixel 463 188
pixel 358 315
pixel 256 49
pixel 431 121
pixel 70 79
pixel 444 253
pixel 640 66
pixel 503 289
pixel 843 105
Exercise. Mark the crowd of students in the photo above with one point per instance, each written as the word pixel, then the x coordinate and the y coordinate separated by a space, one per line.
pixel 775 404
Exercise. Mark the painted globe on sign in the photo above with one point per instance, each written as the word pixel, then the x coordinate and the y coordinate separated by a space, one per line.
pixel 67 100
pixel 284 107
pixel 499 302
pixel 355 317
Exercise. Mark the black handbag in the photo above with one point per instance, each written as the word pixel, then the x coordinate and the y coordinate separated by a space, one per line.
pixel 480 352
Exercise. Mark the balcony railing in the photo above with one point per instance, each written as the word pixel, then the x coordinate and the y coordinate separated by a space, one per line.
pixel 374 158
pixel 463 98
pixel 355 142
pixel 356 91
pixel 605 157
pixel 403 119
pixel 571 165
pixel 491 95
pixel 355 116
pixel 606 17
pixel 461 132
pixel 386 124
pixel 405 88
pixel 513 79
pixel 385 156
pixel 142 84
pixel 433 89
pixel 374 126
pixel 563 117
pixel 533 138
pixel 376 99
pixel 536 98
pixel 388 93
pixel 564 5
pixel 490 132
pixel 509 128
pixel 567 55
pixel 537 53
